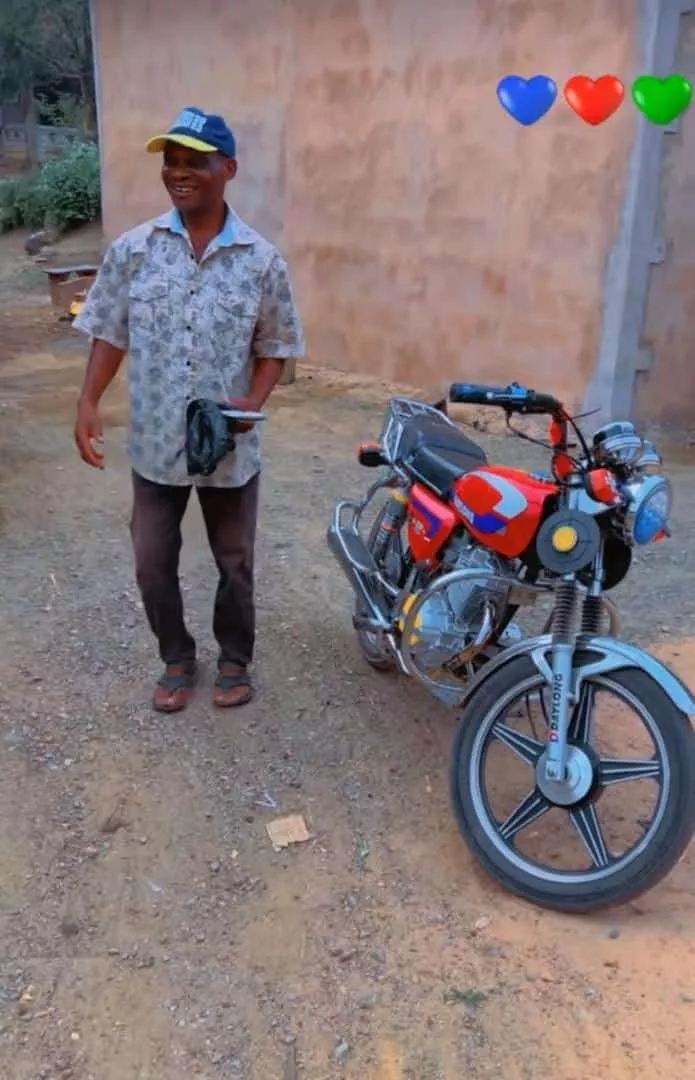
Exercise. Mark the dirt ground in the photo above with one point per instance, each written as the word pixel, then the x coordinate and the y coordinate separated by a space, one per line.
pixel 148 928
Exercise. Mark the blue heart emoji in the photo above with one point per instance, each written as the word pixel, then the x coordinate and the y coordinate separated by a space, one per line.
pixel 526 100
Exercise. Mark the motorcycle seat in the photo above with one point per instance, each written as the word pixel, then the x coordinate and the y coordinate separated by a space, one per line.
pixel 436 453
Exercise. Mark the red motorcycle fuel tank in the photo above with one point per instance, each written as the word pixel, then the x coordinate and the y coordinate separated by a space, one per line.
pixel 501 507
pixel 430 523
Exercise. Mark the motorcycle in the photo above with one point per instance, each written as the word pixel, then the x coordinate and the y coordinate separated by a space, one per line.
pixel 454 554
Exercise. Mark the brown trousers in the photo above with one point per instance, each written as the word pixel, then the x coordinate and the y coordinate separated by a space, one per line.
pixel 230 520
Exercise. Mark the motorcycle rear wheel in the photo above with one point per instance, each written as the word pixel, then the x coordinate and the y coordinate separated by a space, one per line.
pixel 573 892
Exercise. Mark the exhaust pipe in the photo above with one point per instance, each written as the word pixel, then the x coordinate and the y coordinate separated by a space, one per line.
pixel 356 562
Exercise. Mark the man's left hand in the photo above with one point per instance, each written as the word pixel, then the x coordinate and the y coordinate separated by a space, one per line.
pixel 248 405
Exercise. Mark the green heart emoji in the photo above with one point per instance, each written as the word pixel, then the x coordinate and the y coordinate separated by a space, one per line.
pixel 662 100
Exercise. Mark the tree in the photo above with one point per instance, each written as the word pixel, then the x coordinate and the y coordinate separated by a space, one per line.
pixel 67 39
pixel 21 63
pixel 43 41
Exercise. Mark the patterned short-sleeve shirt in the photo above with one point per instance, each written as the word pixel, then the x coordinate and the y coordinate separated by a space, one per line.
pixel 191 330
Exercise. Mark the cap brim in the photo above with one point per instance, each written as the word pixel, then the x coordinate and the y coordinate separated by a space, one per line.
pixel 157 144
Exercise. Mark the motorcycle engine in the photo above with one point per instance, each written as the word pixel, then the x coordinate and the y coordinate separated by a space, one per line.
pixel 451 619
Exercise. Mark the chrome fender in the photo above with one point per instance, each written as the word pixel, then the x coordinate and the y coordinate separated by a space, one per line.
pixel 614 655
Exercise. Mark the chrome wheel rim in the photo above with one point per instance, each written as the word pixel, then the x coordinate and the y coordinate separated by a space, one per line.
pixel 536 805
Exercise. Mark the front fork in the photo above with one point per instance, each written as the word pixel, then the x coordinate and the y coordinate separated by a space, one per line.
pixel 562 665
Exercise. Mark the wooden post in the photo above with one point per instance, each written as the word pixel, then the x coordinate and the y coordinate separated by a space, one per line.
pixel 289 373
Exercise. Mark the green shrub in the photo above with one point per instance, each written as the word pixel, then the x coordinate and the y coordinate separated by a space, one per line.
pixel 65 191
pixel 69 187
pixel 20 203
pixel 8 205
pixel 29 202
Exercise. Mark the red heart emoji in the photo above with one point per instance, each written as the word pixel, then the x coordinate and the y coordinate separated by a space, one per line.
pixel 594 101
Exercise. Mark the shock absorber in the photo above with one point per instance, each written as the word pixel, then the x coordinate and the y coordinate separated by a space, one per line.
pixel 564 612
pixel 592 610
pixel 392 518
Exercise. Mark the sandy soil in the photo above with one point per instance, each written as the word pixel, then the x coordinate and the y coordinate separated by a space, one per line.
pixel 148 929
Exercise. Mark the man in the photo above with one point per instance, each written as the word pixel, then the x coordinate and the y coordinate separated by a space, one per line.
pixel 203 306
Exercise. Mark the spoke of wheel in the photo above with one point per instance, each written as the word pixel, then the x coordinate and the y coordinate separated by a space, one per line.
pixel 529 809
pixel 529 716
pixel 620 771
pixel 580 723
pixel 529 750
pixel 587 825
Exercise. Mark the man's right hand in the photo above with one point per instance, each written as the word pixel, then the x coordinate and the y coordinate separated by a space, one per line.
pixel 88 432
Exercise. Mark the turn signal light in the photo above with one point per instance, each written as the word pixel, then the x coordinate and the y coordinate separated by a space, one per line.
pixel 556 433
pixel 563 466
pixel 600 485
pixel 371 455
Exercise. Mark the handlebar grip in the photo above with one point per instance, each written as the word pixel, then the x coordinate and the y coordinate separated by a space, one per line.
pixel 474 394
pixel 514 398
pixel 478 394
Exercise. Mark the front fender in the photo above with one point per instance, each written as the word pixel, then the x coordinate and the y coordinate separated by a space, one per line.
pixel 614 655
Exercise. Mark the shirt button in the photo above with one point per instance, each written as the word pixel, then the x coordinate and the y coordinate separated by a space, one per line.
pixel 188 328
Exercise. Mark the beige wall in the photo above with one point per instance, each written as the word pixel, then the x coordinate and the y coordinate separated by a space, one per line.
pixel 429 235
pixel 667 390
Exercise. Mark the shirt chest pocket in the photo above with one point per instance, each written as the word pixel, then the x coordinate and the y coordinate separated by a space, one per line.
pixel 234 316
pixel 150 310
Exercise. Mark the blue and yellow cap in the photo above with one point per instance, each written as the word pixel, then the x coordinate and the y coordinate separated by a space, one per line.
pixel 198 131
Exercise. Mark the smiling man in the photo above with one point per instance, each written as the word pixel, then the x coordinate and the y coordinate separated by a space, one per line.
pixel 203 306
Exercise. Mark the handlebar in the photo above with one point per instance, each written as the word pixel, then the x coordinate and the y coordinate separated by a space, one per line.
pixel 513 398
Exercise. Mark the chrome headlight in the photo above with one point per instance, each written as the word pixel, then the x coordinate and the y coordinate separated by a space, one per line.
pixel 647 509
pixel 617 444
pixel 649 460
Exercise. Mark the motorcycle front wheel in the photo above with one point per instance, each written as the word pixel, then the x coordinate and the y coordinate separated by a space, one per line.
pixel 506 845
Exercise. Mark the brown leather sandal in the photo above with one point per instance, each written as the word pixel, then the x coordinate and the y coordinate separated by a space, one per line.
pixel 232 687
pixel 173 690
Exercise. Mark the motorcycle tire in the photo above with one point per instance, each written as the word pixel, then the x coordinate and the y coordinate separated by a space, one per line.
pixel 370 650
pixel 648 867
